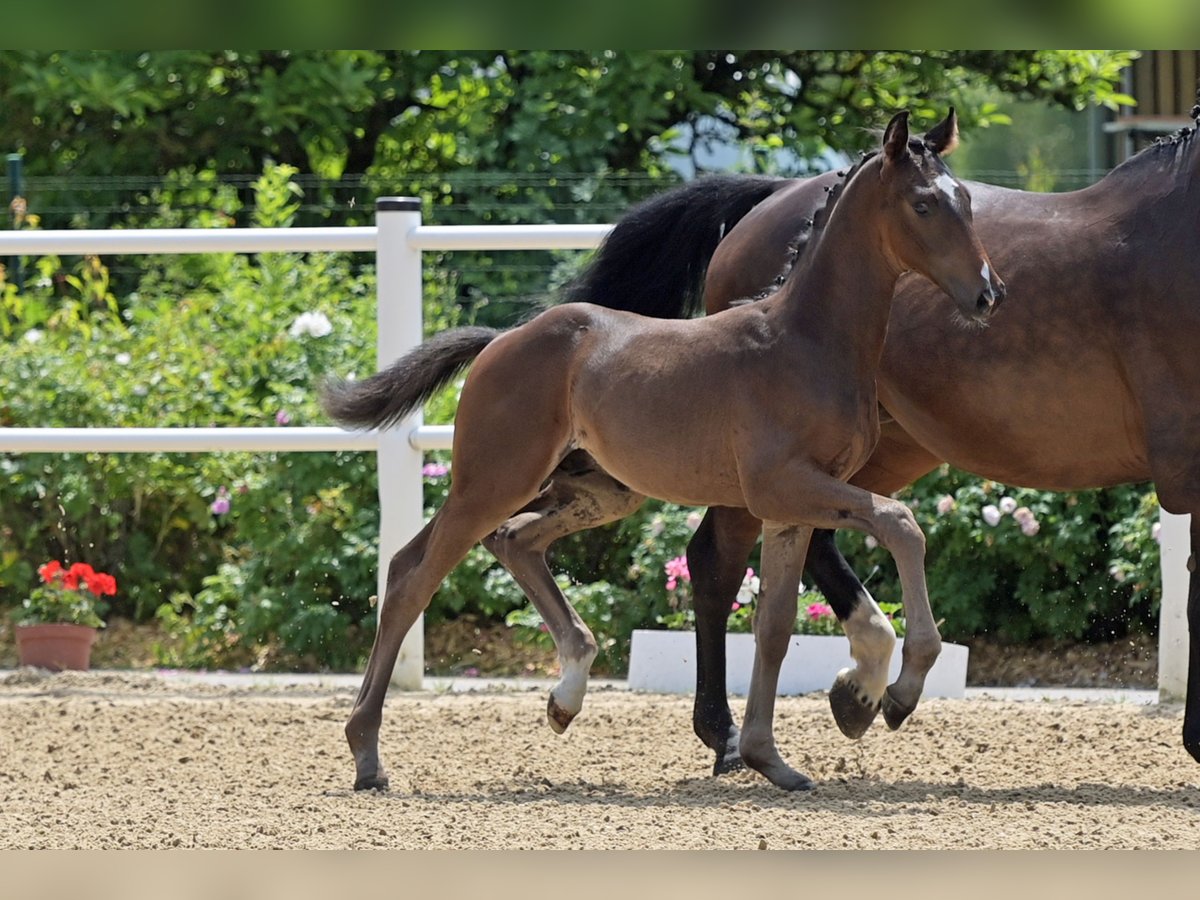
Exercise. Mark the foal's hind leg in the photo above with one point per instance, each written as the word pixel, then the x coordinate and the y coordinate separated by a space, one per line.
pixel 475 507
pixel 413 575
pixel 580 496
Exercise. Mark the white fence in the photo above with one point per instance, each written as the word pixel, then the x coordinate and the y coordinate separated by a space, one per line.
pixel 397 241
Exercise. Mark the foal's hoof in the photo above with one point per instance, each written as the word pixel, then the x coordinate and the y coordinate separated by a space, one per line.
pixel 558 717
pixel 894 713
pixel 374 782
pixel 795 781
pixel 852 709
pixel 784 776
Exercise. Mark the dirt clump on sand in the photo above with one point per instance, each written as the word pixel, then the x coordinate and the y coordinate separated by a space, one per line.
pixel 102 760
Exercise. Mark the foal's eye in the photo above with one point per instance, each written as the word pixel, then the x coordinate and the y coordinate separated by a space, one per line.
pixel 921 207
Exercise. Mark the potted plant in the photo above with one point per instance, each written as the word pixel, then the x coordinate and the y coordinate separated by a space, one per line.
pixel 665 661
pixel 59 620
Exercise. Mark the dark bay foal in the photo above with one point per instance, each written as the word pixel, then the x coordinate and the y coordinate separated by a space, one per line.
pixel 770 406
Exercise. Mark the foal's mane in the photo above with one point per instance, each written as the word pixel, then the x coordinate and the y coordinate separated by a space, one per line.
pixel 799 247
pixel 821 217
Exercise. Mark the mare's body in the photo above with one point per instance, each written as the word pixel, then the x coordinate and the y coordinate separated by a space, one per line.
pixel 1090 378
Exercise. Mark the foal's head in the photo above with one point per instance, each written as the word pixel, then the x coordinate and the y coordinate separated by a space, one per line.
pixel 927 222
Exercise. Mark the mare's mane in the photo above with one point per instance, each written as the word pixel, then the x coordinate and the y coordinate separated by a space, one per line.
pixel 1174 143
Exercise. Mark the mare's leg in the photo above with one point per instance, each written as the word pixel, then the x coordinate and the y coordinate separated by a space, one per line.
pixel 580 495
pixel 717 561
pixel 1191 711
pixel 853 704
pixel 784 548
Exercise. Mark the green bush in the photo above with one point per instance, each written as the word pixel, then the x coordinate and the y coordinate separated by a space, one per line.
pixel 284 566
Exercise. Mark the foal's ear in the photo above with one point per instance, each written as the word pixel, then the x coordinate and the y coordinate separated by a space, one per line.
pixel 943 138
pixel 895 138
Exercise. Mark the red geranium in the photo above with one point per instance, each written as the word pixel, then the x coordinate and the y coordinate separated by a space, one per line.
pixel 68 595
pixel 96 582
pixel 101 583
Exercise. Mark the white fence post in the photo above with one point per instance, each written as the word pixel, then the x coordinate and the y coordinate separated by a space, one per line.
pixel 1175 542
pixel 401 505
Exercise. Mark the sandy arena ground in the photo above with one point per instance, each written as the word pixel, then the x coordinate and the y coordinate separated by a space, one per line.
pixel 95 760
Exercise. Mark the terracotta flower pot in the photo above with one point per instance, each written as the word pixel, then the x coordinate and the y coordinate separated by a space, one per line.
pixel 55 646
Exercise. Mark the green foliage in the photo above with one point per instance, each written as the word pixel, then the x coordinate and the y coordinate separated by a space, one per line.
pixel 407 111
pixel 293 559
pixel 53 604
pixel 444 124
pixel 813 615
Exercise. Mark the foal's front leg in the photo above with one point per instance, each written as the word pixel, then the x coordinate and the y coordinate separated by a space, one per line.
pixel 580 495
pixel 784 548
pixel 827 502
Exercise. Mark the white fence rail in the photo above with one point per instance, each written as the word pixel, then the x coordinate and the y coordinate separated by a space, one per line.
pixel 397 240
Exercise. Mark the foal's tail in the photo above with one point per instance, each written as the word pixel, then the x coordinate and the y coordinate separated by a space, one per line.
pixel 654 260
pixel 388 396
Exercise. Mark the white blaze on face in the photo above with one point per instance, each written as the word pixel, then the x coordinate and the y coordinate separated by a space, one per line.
pixel 948 186
pixel 986 272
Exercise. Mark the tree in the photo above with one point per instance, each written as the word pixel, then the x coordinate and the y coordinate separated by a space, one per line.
pixel 335 111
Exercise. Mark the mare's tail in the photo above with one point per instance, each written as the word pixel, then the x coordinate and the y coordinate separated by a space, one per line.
pixel 388 396
pixel 654 260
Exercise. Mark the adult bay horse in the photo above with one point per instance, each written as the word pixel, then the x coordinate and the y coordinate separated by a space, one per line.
pixel 1091 379
pixel 771 406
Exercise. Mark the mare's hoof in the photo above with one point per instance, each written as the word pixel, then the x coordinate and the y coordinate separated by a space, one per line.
pixel 852 709
pixel 1192 747
pixel 558 717
pixel 728 761
pixel 371 783
pixel 894 713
